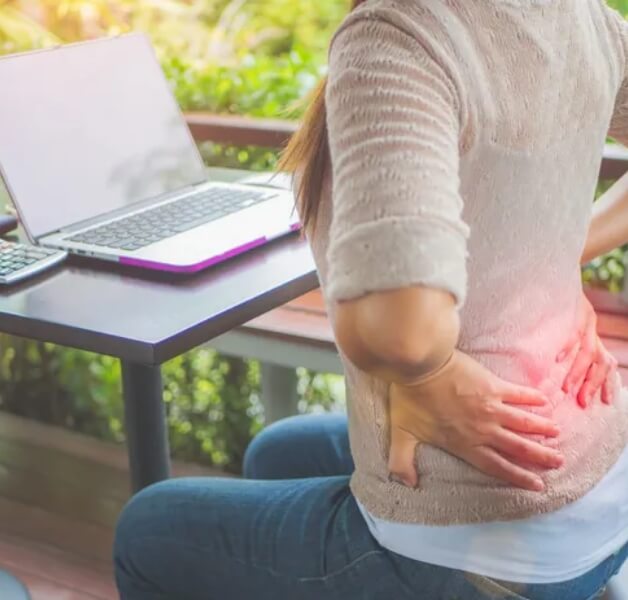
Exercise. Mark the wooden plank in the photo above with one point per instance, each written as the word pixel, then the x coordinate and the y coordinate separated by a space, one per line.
pixel 302 321
pixel 614 162
pixel 309 329
pixel 311 302
pixel 240 130
pixel 42 588
pixel 44 467
pixel 59 567
pixel 619 349
pixel 606 302
pixel 65 470
pixel 83 499
pixel 68 533
pixel 612 326
pixel 13 427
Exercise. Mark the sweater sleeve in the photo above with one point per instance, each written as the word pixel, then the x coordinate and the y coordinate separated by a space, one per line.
pixel 393 126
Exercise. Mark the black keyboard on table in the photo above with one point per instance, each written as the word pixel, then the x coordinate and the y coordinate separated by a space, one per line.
pixel 167 220
pixel 18 261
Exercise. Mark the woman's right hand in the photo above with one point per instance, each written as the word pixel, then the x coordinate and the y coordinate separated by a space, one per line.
pixel 471 413
pixel 592 365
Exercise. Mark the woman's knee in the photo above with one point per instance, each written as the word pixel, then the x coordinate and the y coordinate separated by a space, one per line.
pixel 173 527
pixel 138 518
pixel 266 448
pixel 287 448
pixel 130 537
pixel 161 530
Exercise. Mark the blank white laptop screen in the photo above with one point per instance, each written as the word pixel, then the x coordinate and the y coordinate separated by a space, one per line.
pixel 90 128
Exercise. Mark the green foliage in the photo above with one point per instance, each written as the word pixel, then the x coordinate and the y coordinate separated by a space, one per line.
pixel 212 401
pixel 620 5
pixel 606 271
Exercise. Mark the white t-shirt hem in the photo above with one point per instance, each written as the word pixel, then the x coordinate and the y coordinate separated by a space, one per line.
pixel 548 548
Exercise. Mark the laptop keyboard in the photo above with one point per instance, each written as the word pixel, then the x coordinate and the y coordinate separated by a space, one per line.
pixel 168 220
pixel 20 260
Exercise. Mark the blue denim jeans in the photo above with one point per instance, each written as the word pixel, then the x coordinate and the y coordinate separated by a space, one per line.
pixel 290 531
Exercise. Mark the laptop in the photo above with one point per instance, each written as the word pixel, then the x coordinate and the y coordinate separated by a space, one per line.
pixel 99 161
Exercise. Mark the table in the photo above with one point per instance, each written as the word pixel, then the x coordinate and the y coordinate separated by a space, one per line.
pixel 145 318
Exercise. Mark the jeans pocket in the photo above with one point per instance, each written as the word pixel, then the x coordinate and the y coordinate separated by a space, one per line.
pixel 491 589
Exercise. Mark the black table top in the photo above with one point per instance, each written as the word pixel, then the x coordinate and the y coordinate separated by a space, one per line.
pixel 150 317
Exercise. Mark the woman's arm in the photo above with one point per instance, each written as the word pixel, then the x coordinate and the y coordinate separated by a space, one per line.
pixel 397 241
pixel 398 335
pixel 609 224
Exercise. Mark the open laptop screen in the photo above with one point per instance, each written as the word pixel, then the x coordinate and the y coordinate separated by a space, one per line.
pixel 89 128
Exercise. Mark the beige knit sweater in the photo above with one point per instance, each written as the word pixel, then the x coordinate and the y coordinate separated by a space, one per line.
pixel 466 138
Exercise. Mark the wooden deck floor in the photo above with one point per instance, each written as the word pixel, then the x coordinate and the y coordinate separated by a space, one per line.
pixel 60 494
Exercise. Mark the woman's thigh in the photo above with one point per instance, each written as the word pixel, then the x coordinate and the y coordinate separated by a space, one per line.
pixel 210 539
pixel 305 539
pixel 301 446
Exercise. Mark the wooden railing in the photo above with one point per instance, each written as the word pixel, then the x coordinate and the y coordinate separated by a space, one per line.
pixel 240 131
pixel 274 133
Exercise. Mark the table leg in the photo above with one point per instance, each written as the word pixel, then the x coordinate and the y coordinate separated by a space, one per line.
pixel 145 418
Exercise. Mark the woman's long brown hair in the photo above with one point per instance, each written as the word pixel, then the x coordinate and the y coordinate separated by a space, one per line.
pixel 308 152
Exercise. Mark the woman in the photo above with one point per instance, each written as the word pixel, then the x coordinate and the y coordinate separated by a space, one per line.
pixel 446 176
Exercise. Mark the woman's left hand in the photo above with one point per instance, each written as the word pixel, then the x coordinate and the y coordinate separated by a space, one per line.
pixel 593 365
pixel 471 413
